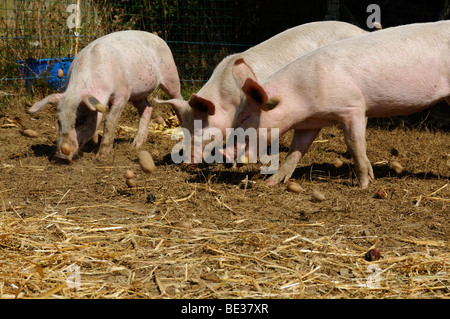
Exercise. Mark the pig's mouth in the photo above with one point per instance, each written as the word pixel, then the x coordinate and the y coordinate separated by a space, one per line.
pixel 239 154
pixel 62 159
pixel 63 154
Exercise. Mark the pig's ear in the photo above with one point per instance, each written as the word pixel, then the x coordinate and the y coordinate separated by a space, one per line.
pixel 242 71
pixel 180 107
pixel 93 104
pixel 202 105
pixel 253 90
pixel 177 104
pixel 51 99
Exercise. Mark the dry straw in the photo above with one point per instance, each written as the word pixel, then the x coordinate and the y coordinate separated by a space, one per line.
pixel 113 250
pixel 139 254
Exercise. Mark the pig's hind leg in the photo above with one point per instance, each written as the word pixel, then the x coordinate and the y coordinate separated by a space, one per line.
pixel 170 81
pixel 300 143
pixel 145 112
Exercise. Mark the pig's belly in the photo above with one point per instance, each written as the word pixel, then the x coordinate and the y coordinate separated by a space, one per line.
pixel 390 108
pixel 142 87
pixel 403 97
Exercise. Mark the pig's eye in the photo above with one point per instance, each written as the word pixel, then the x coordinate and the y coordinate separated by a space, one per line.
pixel 243 117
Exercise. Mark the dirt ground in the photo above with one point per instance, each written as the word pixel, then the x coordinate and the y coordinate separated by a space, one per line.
pixel 78 231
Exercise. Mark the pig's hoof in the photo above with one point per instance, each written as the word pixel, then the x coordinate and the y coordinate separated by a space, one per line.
pixel 100 157
pixel 137 143
pixel 273 181
pixel 364 185
pixel 278 177
pixel 102 153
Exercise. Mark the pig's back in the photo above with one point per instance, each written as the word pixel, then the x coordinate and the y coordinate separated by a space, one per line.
pixel 395 67
pixel 277 51
pixel 127 58
pixel 270 55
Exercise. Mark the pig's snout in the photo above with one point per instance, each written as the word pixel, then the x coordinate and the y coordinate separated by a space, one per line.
pixel 228 154
pixel 63 154
pixel 65 149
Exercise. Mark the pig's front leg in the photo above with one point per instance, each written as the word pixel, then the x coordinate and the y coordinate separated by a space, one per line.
pixel 355 138
pixel 145 112
pixel 111 122
pixel 300 143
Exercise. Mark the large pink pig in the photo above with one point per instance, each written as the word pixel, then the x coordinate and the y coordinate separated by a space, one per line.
pixel 112 70
pixel 396 71
pixel 215 104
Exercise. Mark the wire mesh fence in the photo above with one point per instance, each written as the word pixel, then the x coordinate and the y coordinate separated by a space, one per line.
pixel 37 36
pixel 40 37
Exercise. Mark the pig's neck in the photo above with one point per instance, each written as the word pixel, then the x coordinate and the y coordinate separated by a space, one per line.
pixel 222 91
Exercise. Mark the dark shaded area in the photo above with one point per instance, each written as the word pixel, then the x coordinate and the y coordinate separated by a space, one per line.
pixel 269 19
pixel 202 32
pixel 250 22
pixel 43 150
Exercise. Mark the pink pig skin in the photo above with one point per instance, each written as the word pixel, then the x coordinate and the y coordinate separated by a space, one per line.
pixel 112 70
pixel 395 71
pixel 216 102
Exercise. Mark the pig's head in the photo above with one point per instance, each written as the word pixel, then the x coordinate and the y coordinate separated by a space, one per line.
pixel 256 109
pixel 200 114
pixel 211 120
pixel 77 121
pixel 196 110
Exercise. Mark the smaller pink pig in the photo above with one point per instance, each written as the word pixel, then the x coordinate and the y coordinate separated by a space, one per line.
pixel 395 71
pixel 112 70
